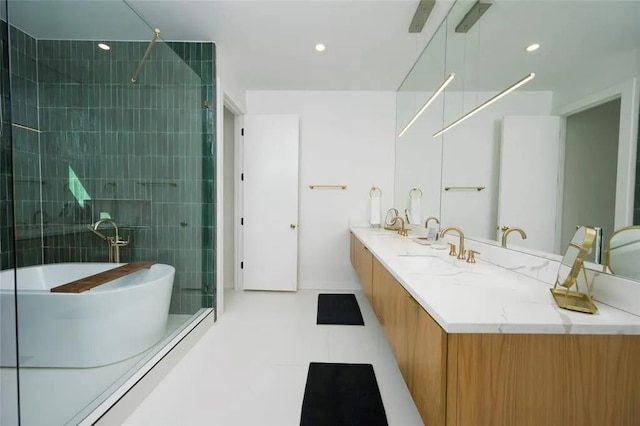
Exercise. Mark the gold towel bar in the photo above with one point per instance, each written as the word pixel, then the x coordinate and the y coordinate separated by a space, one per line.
pixel 464 188
pixel 328 186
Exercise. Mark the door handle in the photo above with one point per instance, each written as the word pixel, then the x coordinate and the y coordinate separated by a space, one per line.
pixel 292 226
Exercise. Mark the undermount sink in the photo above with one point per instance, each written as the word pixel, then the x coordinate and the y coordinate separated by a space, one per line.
pixel 425 264
pixel 387 234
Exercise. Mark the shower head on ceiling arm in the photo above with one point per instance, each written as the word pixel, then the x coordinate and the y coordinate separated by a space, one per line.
pixel 156 35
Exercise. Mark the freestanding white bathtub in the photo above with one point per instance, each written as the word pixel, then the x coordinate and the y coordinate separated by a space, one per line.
pixel 107 324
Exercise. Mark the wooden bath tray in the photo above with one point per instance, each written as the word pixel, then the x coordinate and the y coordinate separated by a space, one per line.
pixel 87 283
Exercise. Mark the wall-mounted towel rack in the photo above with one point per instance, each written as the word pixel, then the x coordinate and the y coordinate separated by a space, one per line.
pixel 416 190
pixel 373 190
pixel 41 182
pixel 327 186
pixel 464 188
pixel 157 183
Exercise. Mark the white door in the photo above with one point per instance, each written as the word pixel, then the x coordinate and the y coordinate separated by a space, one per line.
pixel 529 182
pixel 270 202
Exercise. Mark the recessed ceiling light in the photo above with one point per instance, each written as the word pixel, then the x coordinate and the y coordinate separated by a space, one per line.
pixel 320 47
pixel 104 46
pixel 533 47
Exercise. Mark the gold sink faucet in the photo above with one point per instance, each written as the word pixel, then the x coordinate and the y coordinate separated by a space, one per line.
pixel 507 230
pixel 402 231
pixel 429 219
pixel 461 253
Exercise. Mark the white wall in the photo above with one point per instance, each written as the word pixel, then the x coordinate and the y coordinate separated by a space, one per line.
pixel 228 82
pixel 629 93
pixel 418 154
pixel 471 156
pixel 231 91
pixel 591 154
pixel 345 138
pixel 229 198
pixel 601 74
pixel 528 193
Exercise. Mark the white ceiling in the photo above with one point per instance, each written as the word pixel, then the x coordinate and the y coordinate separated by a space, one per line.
pixel 270 44
pixel 579 40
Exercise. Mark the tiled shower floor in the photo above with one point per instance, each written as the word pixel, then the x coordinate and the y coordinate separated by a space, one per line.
pixel 250 368
pixel 56 396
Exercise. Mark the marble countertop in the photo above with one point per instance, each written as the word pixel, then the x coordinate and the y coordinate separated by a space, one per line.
pixel 484 297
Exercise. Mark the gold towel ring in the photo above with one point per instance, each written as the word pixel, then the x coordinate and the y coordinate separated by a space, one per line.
pixel 416 189
pixel 374 189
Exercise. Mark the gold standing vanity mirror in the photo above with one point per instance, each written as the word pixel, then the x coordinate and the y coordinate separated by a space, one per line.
pixel 566 290
pixel 622 255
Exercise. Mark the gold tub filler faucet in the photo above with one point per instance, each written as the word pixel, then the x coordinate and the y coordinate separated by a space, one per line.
pixel 114 243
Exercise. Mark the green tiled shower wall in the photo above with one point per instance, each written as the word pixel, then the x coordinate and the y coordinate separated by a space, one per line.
pixel 6 190
pixel 143 152
pixel 26 146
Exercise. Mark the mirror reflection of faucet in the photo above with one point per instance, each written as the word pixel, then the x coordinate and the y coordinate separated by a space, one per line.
pixel 40 217
pixel 506 230
pixel 73 213
pixel 389 223
pixel 114 243
pixel 402 231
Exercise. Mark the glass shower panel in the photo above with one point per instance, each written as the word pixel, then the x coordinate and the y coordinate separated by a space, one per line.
pixel 9 413
pixel 97 154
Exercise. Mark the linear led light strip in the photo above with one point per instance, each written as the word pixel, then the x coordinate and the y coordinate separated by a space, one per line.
pixel 486 104
pixel 429 102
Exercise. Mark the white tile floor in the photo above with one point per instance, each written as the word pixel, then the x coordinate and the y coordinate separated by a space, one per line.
pixel 250 368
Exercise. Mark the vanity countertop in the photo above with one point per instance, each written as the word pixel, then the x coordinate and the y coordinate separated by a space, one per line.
pixel 483 297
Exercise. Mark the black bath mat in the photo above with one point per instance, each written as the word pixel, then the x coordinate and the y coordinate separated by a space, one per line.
pixel 341 309
pixel 342 395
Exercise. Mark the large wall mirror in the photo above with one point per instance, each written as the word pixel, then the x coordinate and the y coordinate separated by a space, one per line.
pixel 418 155
pixel 556 150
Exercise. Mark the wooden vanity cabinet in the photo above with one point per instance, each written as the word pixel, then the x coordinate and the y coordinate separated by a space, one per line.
pixel 379 289
pixel 502 379
pixel 543 379
pixel 428 383
pixel 417 341
pixel 362 261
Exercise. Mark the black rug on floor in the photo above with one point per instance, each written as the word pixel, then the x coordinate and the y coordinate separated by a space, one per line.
pixel 341 309
pixel 342 395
